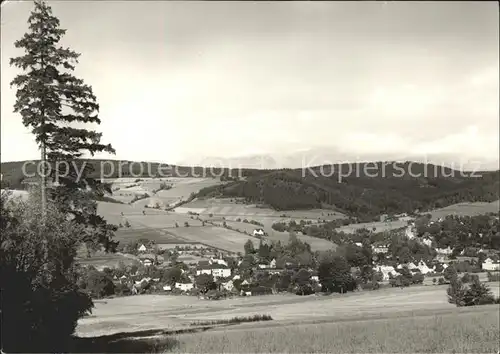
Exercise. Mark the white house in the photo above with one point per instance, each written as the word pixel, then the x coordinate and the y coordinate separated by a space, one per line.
pixel 203 271
pixel 380 249
pixel 411 266
pixel 444 251
pixel 424 269
pixel 184 286
pixel 359 244
pixel 385 270
pixel 427 242
pixel 229 286
pixel 258 232
pixel 490 264
pixel 272 264
pixel 221 272
pixel 218 261
pixel 167 287
pixel 142 248
pixel 409 232
pixel 147 262
pixel 216 270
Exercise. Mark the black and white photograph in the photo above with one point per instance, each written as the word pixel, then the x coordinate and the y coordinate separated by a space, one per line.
pixel 249 176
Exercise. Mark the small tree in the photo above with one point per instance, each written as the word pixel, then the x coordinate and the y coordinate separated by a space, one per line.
pixel 450 274
pixel 186 224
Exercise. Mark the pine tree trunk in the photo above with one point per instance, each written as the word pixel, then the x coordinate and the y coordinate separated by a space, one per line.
pixel 43 184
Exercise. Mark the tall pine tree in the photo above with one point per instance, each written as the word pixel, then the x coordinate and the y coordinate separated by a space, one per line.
pixel 51 100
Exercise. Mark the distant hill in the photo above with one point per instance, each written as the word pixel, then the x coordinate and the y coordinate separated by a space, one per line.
pixel 13 175
pixel 369 190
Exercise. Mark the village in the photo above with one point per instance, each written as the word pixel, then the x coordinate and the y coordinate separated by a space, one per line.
pixel 197 269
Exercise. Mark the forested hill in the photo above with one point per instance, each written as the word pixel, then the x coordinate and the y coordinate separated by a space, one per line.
pixel 365 192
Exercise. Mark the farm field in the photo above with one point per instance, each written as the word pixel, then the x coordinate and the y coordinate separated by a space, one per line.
pixel 101 260
pixel 467 209
pixel 378 225
pixel 232 211
pixel 216 237
pixel 136 313
pixel 317 244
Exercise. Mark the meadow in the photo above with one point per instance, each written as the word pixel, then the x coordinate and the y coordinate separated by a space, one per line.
pixel 467 209
pixel 470 331
pixel 415 319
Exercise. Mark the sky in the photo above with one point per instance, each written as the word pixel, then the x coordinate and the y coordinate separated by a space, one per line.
pixel 178 81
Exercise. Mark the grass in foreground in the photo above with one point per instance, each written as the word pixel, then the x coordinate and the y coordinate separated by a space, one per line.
pixel 468 332
pixel 234 320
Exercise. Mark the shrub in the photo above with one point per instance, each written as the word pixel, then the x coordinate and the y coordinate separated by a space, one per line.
pixel 186 224
pixel 434 280
pixel 127 224
pixel 493 276
pixel 476 294
pixel 441 281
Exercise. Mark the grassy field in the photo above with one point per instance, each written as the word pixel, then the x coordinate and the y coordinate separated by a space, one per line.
pixel 466 209
pixel 469 331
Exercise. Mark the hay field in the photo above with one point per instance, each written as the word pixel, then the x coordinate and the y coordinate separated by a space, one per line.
pixel 466 209
pixel 216 237
pixel 134 313
pixel 460 331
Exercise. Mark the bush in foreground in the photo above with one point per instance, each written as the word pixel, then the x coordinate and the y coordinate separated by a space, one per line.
pixel 41 301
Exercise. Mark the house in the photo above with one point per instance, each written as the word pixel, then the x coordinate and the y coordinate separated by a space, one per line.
pixel 142 248
pixel 263 266
pixel 218 261
pixel 315 277
pixel 427 242
pixel 184 286
pixel 258 232
pixel 272 264
pixel 424 269
pixel 221 271
pixel 229 286
pixel 383 217
pixel 149 259
pixel 380 248
pixel 167 287
pixel 359 244
pixel 216 270
pixel 385 270
pixel 409 232
pixel 276 271
pixel 143 280
pixel 444 251
pixel 490 264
